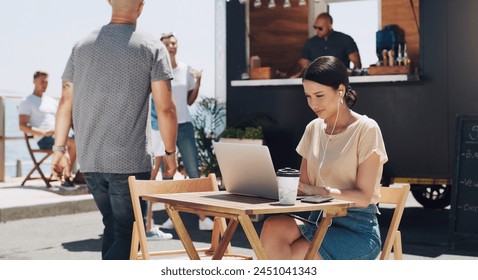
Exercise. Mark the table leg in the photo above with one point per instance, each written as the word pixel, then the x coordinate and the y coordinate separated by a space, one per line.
pixel 226 238
pixel 218 230
pixel 182 232
pixel 318 238
pixel 252 236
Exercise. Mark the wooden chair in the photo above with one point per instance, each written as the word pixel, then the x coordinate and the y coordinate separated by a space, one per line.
pixel 139 188
pixel 37 163
pixel 398 197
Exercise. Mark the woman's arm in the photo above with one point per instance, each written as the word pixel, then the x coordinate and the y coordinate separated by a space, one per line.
pixel 363 189
pixel 362 192
pixel 305 187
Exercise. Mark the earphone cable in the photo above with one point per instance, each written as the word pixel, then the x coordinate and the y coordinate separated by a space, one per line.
pixel 327 144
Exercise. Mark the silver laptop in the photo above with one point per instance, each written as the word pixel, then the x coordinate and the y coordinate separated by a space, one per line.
pixel 247 169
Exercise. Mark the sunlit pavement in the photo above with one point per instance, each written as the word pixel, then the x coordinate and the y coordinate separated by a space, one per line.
pixel 42 224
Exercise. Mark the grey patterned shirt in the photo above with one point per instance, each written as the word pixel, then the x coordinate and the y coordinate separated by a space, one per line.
pixel 111 71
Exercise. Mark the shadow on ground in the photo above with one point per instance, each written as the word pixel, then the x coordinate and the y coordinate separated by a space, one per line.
pixel 424 233
pixel 191 222
pixel 87 245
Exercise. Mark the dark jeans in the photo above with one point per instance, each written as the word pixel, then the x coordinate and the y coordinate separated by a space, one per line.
pixel 187 148
pixel 46 143
pixel 112 196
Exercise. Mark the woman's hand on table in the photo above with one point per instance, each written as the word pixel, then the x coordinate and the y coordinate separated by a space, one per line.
pixel 305 189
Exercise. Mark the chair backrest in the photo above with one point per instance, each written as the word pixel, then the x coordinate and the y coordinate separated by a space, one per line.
pixel 398 197
pixel 139 188
pixel 27 140
pixel 32 149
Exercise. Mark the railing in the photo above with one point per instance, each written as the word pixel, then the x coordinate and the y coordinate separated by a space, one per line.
pixel 2 140
pixel 17 162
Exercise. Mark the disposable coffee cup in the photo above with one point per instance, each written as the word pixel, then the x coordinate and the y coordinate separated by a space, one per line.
pixel 288 181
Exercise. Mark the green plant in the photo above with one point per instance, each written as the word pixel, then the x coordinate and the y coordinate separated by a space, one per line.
pixel 246 133
pixel 208 120
pixel 229 132
pixel 253 133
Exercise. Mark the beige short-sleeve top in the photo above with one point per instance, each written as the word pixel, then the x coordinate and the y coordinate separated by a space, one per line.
pixel 344 153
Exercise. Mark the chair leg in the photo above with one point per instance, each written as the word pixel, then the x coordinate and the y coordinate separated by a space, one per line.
pixel 133 254
pixel 397 247
pixel 28 177
pixel 36 167
pixel 47 181
pixel 149 217
pixel 215 235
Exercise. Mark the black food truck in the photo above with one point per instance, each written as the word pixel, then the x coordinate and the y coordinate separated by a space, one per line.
pixel 416 107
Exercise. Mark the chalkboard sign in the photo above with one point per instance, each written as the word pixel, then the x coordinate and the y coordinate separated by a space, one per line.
pixel 464 201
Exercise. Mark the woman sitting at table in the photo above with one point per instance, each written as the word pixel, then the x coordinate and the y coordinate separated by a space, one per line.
pixel 342 156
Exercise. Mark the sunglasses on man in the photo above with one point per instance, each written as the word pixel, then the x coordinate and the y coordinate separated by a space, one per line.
pixel 320 28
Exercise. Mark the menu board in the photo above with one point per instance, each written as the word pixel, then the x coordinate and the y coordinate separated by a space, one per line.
pixel 464 201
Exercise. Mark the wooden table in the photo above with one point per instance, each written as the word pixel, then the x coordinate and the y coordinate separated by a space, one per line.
pixel 237 209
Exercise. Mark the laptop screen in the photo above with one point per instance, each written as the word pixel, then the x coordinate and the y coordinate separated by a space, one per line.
pixel 247 169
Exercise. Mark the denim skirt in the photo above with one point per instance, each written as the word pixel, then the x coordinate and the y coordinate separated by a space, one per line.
pixel 355 236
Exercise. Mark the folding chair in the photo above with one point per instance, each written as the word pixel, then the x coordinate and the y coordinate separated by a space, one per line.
pixel 37 163
pixel 139 188
pixel 397 196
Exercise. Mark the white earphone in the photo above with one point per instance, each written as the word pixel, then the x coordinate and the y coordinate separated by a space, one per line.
pixel 341 100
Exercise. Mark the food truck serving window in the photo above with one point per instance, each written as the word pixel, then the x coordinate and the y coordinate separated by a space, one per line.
pixel 278 35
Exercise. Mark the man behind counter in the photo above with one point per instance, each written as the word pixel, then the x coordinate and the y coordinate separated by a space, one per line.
pixel 328 42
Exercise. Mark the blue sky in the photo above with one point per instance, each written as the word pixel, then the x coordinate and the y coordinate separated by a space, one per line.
pixel 40 34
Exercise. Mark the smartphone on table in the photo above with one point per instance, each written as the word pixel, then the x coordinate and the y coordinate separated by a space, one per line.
pixel 316 199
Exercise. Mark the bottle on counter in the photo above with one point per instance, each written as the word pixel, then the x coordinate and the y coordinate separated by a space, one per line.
pixel 385 57
pixel 255 62
pixel 406 59
pixel 391 58
pixel 399 56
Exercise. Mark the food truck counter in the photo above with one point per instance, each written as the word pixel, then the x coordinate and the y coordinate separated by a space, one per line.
pixel 352 79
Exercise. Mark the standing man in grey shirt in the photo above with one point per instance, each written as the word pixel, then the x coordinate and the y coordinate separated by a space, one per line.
pixel 106 85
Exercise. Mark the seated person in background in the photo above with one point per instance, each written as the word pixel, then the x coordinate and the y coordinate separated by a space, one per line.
pixel 343 154
pixel 37 117
pixel 328 42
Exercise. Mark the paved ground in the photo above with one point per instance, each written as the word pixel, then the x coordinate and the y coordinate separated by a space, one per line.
pixel 41 224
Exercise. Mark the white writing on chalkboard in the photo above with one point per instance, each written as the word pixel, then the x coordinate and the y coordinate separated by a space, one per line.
pixel 469 182
pixel 474 133
pixel 469 208
pixel 464 201
pixel 470 154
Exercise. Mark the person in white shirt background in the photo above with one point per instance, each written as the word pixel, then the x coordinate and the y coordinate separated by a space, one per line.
pixel 185 87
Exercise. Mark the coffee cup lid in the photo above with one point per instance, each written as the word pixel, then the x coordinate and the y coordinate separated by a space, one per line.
pixel 288 172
